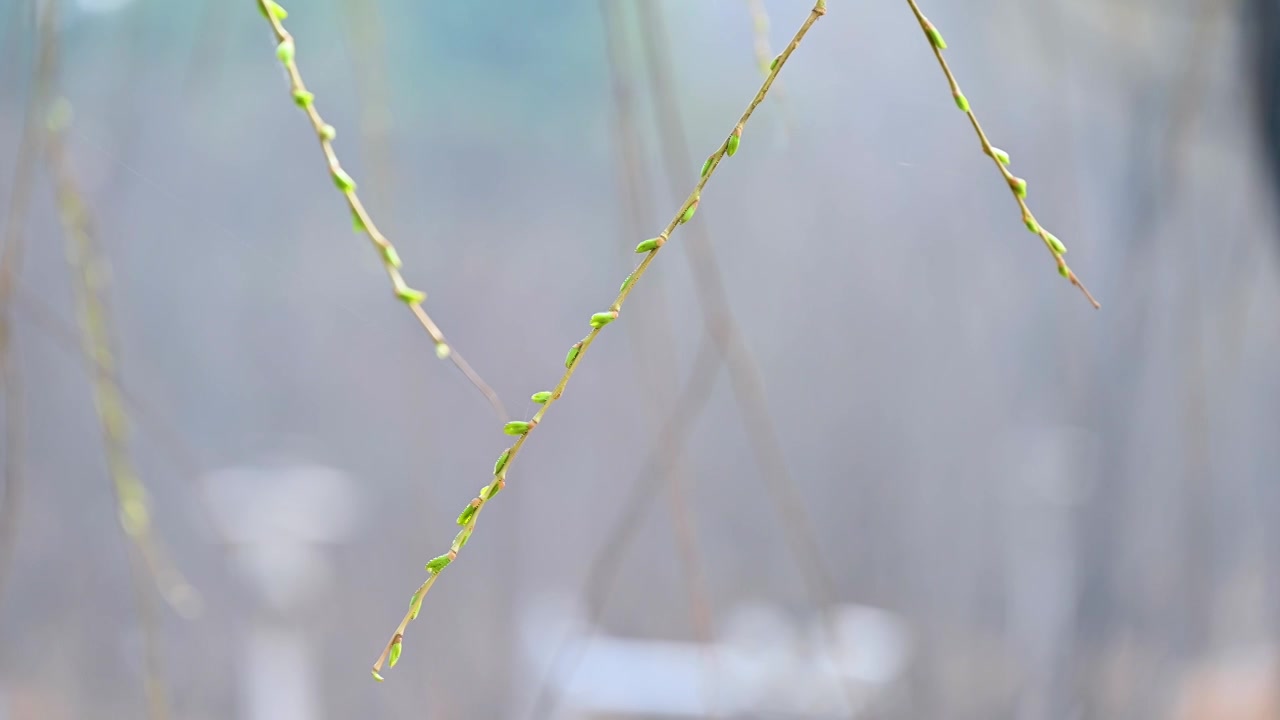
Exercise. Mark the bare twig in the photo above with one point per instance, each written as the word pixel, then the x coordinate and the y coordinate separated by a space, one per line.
pixel 361 220
pixel 1017 185
pixel 650 248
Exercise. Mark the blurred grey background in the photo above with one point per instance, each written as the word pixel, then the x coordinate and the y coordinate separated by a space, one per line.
pixel 1028 508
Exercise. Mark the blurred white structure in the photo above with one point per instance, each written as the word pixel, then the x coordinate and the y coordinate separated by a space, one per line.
pixel 764 664
pixel 278 520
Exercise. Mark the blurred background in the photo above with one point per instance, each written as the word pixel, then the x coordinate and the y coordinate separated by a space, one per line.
pixel 853 450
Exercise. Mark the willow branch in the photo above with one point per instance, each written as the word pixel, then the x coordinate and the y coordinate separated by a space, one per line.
pixel 1017 185
pixel 360 218
pixel 650 248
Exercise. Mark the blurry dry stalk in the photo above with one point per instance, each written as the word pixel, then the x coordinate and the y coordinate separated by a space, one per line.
pixel 1017 185
pixel 760 33
pixel 654 346
pixel 467 519
pixel 133 511
pixel 723 340
pixel 606 563
pixel 367 36
pixel 764 52
pixel 722 327
pixel 360 218
pixel 11 253
pixel 143 414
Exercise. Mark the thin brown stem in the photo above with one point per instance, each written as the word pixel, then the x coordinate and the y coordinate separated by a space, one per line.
pixel 1016 185
pixel 361 218
pixel 471 514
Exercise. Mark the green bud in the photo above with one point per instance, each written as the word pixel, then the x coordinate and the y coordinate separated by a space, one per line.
pixel 516 427
pixel 484 492
pixel 501 464
pixel 443 351
pixel 601 319
pixel 408 295
pixel 1064 271
pixel 376 676
pixel 774 65
pixel 623 287
pixel 277 11
pixel 60 115
pixel 1001 156
pixel 493 488
pixel 343 180
pixel 935 37
pixel 438 564
pixel 821 7
pixel 735 138
pixel 689 211
pixel 414 606
pixel 134 516
pixel 650 244
pixel 1031 224
pixel 303 98
pixel 467 513
pixel 706 168
pixel 460 540
pixel 541 397
pixel 962 102
pixel 356 223
pixel 573 355
pixel 1055 243
pixel 328 132
pixel 394 657
pixel 390 256
pixel 1019 186
pixel 285 51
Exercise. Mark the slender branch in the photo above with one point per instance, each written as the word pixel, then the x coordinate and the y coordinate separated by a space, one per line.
pixel 360 218
pixel 1017 185
pixel 650 248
